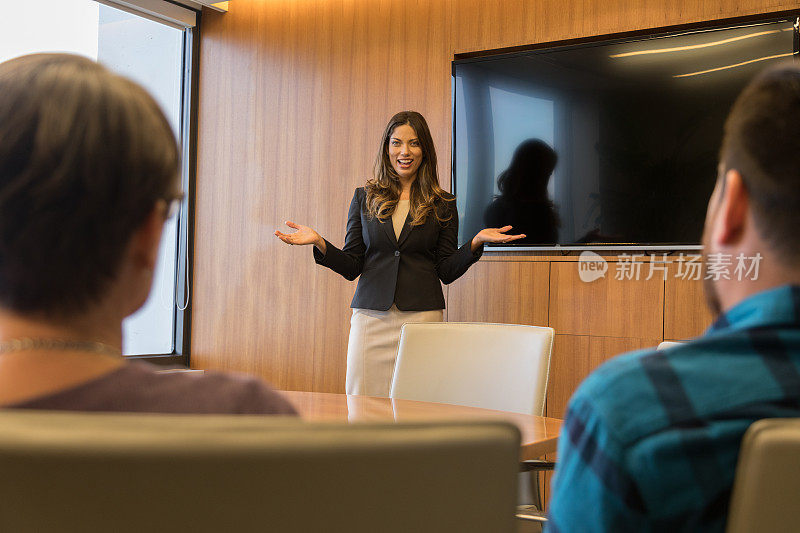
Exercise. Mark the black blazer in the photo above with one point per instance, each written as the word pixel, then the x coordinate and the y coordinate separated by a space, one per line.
pixel 405 271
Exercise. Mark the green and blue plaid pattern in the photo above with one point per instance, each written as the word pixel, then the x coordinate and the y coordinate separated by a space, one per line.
pixel 651 438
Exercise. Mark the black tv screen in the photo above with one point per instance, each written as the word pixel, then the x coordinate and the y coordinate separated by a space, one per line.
pixel 603 143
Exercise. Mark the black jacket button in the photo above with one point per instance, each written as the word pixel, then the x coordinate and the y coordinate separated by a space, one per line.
pixel 397 253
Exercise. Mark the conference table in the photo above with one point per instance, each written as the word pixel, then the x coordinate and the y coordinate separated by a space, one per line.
pixel 539 433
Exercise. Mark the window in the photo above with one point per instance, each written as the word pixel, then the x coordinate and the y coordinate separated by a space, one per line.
pixel 156 52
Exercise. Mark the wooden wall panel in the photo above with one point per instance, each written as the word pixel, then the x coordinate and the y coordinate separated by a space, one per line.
pixel 686 314
pixel 506 293
pixel 606 307
pixel 480 25
pixel 575 356
pixel 293 96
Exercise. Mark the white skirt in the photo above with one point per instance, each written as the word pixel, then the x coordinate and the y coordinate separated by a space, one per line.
pixel 372 347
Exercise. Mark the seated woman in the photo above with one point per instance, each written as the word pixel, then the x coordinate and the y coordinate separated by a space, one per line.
pixel 88 171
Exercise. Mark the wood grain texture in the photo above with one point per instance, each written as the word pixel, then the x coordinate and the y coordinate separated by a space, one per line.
pixel 293 97
pixel 504 293
pixel 686 314
pixel 539 434
pixel 575 356
pixel 479 25
pixel 606 307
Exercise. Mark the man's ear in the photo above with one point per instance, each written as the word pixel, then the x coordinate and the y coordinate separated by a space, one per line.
pixel 732 210
pixel 147 237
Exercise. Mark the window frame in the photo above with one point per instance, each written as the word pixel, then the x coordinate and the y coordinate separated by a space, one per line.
pixel 186 216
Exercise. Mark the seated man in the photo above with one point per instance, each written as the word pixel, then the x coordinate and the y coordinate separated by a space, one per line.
pixel 651 439
pixel 88 170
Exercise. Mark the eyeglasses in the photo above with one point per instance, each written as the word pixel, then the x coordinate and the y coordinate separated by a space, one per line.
pixel 174 205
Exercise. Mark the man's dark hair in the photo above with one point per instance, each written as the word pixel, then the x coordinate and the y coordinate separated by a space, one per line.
pixel 85 155
pixel 762 142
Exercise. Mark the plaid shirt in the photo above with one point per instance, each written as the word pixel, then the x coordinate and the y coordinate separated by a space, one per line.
pixel 651 438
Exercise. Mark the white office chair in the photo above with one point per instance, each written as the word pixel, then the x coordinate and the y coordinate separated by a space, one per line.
pixel 668 344
pixel 78 472
pixel 767 484
pixel 493 366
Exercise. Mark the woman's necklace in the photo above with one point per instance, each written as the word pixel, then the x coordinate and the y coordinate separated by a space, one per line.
pixel 27 344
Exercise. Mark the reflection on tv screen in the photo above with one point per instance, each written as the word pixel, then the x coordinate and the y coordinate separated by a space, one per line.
pixel 602 143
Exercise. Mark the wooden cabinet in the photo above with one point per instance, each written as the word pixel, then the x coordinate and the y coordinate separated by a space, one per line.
pixel 685 313
pixel 606 307
pixel 593 321
pixel 504 292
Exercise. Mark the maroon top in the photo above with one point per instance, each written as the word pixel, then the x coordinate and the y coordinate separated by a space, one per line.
pixel 138 387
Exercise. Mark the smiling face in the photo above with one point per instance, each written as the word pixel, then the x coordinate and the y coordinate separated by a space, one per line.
pixel 405 152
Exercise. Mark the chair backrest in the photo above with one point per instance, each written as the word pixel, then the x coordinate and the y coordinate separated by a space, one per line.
pixel 134 473
pixel 766 491
pixel 493 366
pixel 668 344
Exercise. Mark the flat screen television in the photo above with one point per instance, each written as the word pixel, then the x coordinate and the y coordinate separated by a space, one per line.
pixel 604 144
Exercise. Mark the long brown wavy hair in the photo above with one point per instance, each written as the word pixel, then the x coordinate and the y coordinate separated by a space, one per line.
pixel 384 188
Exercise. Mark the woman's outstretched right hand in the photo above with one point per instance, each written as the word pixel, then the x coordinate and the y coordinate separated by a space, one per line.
pixel 303 235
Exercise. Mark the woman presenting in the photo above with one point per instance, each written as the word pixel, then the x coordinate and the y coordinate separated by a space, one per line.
pixel 402 232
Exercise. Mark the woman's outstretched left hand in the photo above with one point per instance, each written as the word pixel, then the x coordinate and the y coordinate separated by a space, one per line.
pixel 494 235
